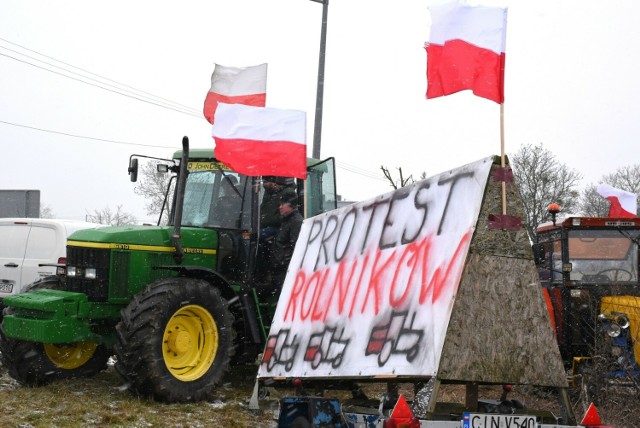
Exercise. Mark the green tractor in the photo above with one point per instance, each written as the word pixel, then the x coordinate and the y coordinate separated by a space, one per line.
pixel 174 305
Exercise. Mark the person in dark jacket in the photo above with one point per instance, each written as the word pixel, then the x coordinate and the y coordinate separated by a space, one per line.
pixel 286 237
pixel 270 218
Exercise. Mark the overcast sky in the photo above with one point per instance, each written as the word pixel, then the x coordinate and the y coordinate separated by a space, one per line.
pixel 572 83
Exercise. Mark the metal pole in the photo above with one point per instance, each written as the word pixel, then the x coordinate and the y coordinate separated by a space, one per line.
pixel 317 125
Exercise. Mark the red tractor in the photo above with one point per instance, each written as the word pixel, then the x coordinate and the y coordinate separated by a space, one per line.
pixel 589 270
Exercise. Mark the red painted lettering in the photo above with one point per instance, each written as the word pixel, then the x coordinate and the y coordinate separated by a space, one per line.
pixel 376 283
pixel 341 287
pixel 295 292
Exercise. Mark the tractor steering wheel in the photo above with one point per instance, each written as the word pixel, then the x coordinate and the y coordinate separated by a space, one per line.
pixel 618 274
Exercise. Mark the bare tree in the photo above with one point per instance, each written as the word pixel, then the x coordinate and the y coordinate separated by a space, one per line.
pixel 46 211
pixel 543 179
pixel 106 216
pixel 592 204
pixel 152 186
pixel 624 178
pixel 402 181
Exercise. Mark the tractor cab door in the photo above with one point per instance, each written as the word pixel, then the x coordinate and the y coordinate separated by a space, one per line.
pixel 319 188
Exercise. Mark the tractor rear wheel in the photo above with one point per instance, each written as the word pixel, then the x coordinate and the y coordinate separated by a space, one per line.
pixel 33 363
pixel 175 340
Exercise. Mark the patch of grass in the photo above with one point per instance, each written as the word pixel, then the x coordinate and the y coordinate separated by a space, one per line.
pixel 103 401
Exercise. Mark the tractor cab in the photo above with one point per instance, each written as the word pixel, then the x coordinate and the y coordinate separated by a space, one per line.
pixel 589 270
pixel 218 198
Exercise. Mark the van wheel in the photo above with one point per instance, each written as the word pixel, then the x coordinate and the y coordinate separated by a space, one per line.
pixel 34 364
pixel 175 340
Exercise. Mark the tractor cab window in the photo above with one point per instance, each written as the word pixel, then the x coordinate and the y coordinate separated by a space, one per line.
pixel 548 258
pixel 217 197
pixel 603 256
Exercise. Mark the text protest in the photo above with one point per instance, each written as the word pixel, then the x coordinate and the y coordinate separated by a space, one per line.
pixel 371 286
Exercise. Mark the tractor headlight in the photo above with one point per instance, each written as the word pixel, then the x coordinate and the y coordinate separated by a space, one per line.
pixel 621 319
pixel 613 330
pixel 76 272
pixel 90 273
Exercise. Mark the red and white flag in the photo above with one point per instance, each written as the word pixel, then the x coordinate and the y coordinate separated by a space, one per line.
pixel 623 204
pixel 236 85
pixel 261 140
pixel 466 50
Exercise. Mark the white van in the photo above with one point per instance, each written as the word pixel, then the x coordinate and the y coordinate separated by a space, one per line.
pixel 26 243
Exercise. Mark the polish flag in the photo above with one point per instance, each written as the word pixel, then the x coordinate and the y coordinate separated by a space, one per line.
pixel 466 50
pixel 236 85
pixel 623 204
pixel 260 140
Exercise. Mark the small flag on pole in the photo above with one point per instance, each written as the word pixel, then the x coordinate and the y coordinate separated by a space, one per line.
pixel 623 204
pixel 466 50
pixel 261 140
pixel 236 85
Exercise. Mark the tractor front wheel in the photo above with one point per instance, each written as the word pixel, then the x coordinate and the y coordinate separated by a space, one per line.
pixel 175 340
pixel 34 364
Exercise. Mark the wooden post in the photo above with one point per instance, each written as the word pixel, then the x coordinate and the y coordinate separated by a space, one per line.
pixel 502 160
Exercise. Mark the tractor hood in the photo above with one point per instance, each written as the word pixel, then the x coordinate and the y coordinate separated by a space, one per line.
pixel 128 237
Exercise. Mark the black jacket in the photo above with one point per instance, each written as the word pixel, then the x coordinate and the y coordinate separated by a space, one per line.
pixel 285 240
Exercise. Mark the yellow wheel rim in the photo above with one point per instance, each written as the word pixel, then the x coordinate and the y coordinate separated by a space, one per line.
pixel 70 357
pixel 190 343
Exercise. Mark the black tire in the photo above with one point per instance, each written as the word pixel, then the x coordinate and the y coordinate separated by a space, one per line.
pixel 162 349
pixel 34 364
pixel 300 422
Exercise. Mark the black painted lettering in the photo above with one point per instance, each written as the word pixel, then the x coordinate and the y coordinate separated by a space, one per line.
pixel 316 229
pixel 398 195
pixel 329 229
pixel 342 232
pixel 373 207
pixel 453 179
pixel 421 191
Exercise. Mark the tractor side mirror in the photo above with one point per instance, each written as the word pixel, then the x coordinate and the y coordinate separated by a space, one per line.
pixel 133 169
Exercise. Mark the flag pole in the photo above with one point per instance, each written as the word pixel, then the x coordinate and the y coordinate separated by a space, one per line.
pixel 502 159
pixel 317 124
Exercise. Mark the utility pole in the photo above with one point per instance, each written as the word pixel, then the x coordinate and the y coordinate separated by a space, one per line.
pixel 317 125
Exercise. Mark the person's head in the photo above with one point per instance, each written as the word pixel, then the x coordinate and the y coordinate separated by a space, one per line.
pixel 273 183
pixel 288 202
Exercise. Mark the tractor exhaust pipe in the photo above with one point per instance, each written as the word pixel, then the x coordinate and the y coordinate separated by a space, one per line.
pixel 178 256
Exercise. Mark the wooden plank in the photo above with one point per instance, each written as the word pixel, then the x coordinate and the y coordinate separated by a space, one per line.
pixel 499 330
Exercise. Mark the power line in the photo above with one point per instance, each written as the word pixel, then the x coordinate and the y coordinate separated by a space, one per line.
pixel 342 165
pixel 128 91
pixel 93 74
pixel 103 85
pixel 360 171
pixel 82 136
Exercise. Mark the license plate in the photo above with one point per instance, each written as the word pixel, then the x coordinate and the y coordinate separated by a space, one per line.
pixel 6 287
pixel 483 420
